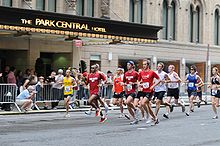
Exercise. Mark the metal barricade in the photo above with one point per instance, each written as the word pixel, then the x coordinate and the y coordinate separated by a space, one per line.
pixel 48 93
pixel 8 94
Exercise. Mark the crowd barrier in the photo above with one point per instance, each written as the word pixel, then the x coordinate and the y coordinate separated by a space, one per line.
pixel 8 94
pixel 47 94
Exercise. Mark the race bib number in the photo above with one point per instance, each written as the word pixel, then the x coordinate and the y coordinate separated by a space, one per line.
pixel 129 87
pixel 146 85
pixel 67 88
pixel 191 84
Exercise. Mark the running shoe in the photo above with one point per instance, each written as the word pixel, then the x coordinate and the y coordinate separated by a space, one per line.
pixel 88 112
pixel 102 120
pixel 127 117
pixel 205 102
pixel 149 121
pixel 215 117
pixel 183 108
pixel 166 116
pixel 198 104
pixel 121 116
pixel 134 122
pixel 67 115
pixel 171 107
pixel 97 113
pixel 155 122
pixel 192 110
pixel 187 114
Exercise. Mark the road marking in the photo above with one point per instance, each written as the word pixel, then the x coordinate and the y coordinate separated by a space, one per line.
pixel 141 128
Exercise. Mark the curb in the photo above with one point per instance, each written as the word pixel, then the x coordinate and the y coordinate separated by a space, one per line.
pixel 83 109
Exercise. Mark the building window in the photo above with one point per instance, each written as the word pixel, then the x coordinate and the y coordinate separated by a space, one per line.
pixel 52 4
pixel 136 11
pixel 40 4
pixel 7 3
pixel 80 7
pixel 173 21
pixel 131 14
pixel 90 8
pixel 216 27
pixel 197 21
pixel 165 20
pixel 191 23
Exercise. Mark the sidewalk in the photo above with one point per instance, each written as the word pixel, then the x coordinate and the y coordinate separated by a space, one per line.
pixel 82 108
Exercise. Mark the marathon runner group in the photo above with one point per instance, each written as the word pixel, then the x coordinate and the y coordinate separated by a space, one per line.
pixel 143 88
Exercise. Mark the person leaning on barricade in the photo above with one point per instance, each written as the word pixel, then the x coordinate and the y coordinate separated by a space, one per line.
pixel 25 98
pixel 57 89
pixel 39 88
pixel 30 81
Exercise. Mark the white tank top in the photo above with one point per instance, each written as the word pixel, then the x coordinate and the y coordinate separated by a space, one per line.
pixel 161 86
pixel 172 78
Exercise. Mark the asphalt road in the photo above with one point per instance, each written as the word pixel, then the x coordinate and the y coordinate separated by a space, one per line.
pixel 199 129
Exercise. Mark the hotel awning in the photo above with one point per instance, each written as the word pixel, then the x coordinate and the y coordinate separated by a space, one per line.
pixel 33 21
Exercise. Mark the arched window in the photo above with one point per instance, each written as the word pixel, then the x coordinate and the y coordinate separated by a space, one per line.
pixel 165 20
pixel 216 27
pixel 80 7
pixel 173 21
pixel 90 8
pixel 191 24
pixel 197 21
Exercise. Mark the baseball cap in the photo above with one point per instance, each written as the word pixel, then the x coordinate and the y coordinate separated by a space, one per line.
pixel 131 62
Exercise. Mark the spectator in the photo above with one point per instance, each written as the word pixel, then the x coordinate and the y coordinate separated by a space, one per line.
pixel 27 74
pixel 24 99
pixel 51 78
pixel 11 76
pixel 19 79
pixel 28 82
pixel 33 73
pixel 57 88
pixel 1 78
pixel 109 83
pixel 39 89
pixel 5 73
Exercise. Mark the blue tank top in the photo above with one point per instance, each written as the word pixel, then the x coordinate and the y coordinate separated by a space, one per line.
pixel 192 82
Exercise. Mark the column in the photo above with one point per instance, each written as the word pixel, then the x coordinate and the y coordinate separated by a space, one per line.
pixel 182 74
pixel 154 63
pixel 33 52
pixel 60 6
pixel 76 53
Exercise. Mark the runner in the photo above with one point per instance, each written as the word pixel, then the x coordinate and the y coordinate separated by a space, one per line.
pixel 146 80
pixel 101 92
pixel 191 79
pixel 93 80
pixel 140 96
pixel 118 90
pixel 160 89
pixel 173 90
pixel 215 92
pixel 69 83
pixel 130 81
